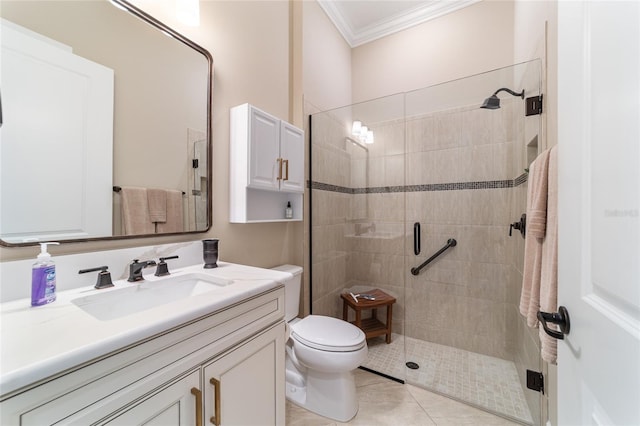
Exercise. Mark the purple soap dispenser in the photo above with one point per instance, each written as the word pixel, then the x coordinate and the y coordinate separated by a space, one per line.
pixel 43 278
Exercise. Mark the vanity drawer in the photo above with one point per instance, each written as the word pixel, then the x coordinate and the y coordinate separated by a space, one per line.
pixel 106 385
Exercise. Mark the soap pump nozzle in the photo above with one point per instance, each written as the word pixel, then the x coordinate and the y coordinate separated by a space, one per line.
pixel 44 255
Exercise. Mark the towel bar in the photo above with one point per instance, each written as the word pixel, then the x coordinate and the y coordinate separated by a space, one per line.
pixel 119 188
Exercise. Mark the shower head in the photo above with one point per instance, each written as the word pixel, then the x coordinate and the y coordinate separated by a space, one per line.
pixel 493 102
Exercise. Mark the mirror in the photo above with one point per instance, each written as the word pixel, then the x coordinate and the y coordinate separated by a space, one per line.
pixel 106 124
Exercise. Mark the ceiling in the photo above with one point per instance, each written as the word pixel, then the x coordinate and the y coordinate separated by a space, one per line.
pixel 362 21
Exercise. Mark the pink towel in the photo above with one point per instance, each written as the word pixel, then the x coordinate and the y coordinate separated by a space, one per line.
pixel 536 225
pixel 549 272
pixel 135 211
pixel 174 213
pixel 157 200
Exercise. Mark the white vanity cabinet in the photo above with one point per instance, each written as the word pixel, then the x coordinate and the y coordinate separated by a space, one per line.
pixel 167 379
pixel 236 383
pixel 171 405
pixel 267 166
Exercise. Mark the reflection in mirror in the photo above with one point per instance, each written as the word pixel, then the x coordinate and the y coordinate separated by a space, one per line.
pixel 106 124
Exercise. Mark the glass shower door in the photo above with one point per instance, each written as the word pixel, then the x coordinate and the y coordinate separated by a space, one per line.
pixel 357 218
pixel 465 167
pixel 439 169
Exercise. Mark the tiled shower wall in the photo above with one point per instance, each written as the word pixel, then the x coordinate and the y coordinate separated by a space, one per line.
pixel 461 299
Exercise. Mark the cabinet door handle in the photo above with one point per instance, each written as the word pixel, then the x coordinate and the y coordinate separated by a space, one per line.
pixel 198 394
pixel 286 169
pixel 216 402
pixel 279 168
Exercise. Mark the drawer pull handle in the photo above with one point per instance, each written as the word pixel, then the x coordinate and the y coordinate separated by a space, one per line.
pixel 216 402
pixel 198 394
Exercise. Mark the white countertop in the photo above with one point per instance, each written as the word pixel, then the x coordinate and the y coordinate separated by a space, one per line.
pixel 37 342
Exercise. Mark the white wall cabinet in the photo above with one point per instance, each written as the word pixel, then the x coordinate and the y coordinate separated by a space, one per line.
pixel 168 379
pixel 266 167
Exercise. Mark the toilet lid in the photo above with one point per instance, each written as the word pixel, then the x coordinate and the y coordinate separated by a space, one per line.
pixel 328 334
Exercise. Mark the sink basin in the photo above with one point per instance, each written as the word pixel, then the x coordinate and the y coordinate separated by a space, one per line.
pixel 134 298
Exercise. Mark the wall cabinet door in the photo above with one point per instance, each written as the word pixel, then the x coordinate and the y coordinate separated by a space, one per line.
pixel 264 150
pixel 292 153
pixel 246 386
pixel 174 404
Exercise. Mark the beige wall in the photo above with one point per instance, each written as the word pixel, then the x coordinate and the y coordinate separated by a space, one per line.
pixel 327 61
pixel 472 40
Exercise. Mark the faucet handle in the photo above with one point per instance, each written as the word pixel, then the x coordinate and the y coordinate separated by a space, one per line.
pixel 162 268
pixel 104 277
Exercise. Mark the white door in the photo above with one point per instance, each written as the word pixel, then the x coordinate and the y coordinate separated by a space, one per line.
pixel 599 212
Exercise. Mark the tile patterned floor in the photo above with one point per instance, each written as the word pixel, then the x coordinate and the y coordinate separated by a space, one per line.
pixel 387 403
pixel 480 380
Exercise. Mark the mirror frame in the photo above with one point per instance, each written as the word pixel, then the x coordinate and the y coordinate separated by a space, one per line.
pixel 148 19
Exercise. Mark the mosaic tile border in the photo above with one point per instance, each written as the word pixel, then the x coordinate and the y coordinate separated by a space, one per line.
pixel 520 179
pixel 488 184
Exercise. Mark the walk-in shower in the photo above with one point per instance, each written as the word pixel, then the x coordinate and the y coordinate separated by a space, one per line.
pixel 439 169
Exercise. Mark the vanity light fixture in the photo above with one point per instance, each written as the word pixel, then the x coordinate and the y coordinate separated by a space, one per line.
pixel 356 127
pixel 369 138
pixel 361 132
pixel 188 12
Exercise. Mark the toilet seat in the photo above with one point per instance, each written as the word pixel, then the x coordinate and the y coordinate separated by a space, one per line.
pixel 328 334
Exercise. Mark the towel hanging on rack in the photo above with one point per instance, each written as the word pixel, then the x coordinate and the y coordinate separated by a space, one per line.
pixel 536 205
pixel 157 201
pixel 135 212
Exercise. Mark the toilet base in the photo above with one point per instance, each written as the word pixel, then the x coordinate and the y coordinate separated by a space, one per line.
pixel 331 395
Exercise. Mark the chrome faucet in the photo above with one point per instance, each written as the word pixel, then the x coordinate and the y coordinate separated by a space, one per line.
pixel 136 267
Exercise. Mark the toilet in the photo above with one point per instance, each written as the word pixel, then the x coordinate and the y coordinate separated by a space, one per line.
pixel 321 354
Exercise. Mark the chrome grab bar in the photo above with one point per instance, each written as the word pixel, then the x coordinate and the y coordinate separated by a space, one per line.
pixel 450 243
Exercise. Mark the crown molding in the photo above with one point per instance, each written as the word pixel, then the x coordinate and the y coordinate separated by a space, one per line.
pixel 392 24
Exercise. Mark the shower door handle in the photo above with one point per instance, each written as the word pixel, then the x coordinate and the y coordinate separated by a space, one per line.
pixel 416 238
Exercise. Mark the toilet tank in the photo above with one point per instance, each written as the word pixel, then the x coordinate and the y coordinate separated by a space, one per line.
pixel 291 290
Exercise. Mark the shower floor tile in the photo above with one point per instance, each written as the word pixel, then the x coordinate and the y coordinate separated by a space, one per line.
pixel 480 380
